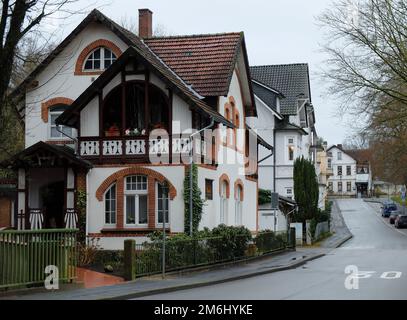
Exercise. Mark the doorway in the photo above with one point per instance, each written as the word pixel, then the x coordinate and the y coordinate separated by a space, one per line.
pixel 53 199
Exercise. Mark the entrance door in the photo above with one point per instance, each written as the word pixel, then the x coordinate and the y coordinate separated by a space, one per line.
pixel 53 196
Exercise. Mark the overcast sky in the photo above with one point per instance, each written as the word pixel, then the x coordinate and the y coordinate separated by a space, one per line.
pixel 276 32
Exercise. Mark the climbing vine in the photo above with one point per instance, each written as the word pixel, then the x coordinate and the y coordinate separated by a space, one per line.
pixel 197 202
pixel 81 207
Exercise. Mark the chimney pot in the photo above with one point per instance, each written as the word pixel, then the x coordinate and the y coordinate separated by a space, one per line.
pixel 145 28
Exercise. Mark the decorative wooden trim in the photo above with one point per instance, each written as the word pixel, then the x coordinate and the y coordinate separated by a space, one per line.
pixel 119 175
pixel 239 183
pixel 224 178
pixel 88 49
pixel 57 142
pixel 50 103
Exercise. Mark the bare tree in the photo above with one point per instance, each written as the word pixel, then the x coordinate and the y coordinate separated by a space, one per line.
pixel 367 50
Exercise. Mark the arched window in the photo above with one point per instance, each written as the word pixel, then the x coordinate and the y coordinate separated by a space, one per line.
pixel 58 132
pixel 135 200
pixel 110 205
pixel 238 204
pixel 135 110
pixel 99 59
pixel 224 201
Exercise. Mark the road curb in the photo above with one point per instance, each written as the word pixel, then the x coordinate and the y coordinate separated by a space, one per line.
pixel 342 241
pixel 214 282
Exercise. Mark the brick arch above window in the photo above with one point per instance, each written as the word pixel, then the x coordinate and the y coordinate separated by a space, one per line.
pixel 120 175
pixel 224 178
pixel 50 103
pixel 89 48
pixel 239 184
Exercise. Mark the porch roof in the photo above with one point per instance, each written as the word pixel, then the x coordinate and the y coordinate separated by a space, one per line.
pixel 41 152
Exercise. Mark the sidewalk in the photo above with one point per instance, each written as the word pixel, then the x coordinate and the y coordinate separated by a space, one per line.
pixel 205 277
pixel 340 229
pixel 174 282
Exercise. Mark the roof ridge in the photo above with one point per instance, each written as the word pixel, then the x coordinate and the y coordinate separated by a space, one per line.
pixel 186 36
pixel 280 65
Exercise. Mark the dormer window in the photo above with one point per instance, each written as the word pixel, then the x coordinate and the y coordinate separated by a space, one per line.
pixel 99 59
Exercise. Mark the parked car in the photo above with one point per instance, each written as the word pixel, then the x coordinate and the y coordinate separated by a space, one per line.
pixel 401 221
pixel 387 208
pixel 393 216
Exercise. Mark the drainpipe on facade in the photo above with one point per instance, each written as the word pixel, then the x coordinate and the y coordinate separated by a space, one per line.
pixel 87 206
pixel 191 160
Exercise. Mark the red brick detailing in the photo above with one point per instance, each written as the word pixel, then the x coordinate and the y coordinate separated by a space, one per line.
pixel 50 103
pixel 224 178
pixel 208 166
pixel 85 52
pixel 81 181
pixel 145 23
pixel 151 202
pixel 57 142
pixel 119 175
pixel 119 202
pixel 5 212
pixel 239 183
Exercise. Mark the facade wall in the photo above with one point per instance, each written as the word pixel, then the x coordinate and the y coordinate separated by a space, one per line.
pixel 336 179
pixel 59 80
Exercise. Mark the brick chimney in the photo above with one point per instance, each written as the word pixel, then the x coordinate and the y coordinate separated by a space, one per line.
pixel 145 23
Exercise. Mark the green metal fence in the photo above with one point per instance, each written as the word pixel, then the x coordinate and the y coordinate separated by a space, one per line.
pixel 24 255
pixel 182 254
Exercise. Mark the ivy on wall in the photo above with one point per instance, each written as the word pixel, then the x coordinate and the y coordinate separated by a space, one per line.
pixel 197 202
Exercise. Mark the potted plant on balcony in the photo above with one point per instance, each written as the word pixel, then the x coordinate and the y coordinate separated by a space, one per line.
pixel 113 131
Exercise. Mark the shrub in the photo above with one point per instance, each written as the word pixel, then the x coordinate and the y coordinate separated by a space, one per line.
pixel 229 242
pixel 267 241
pixel 87 253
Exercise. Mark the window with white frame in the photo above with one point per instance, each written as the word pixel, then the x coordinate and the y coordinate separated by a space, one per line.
pixel 290 149
pixel 99 59
pixel 162 204
pixel 329 163
pixel 55 131
pixel 239 206
pixel 339 155
pixel 289 193
pixel 110 206
pixel 223 203
pixel 135 200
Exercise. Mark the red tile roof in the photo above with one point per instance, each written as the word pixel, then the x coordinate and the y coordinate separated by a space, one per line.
pixel 204 61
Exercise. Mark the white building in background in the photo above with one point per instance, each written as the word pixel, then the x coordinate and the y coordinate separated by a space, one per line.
pixel 286 120
pixel 352 176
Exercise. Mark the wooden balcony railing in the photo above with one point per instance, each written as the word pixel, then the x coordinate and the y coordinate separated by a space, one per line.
pixel 136 147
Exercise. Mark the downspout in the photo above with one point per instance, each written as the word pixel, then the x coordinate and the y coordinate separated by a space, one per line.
pixel 87 206
pixel 191 160
pixel 274 161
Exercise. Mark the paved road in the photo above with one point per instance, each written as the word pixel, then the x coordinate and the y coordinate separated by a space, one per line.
pixel 376 247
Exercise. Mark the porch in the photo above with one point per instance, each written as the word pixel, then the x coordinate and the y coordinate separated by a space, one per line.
pixel 47 187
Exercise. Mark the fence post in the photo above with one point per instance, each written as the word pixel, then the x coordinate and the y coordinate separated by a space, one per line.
pixel 293 240
pixel 129 260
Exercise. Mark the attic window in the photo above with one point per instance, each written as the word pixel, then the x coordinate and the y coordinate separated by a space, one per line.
pixel 99 59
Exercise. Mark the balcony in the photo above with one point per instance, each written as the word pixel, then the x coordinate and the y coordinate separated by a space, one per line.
pixel 329 172
pixel 362 178
pixel 136 147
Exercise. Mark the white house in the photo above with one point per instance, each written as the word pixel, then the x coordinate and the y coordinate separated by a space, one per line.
pixel 286 120
pixel 351 172
pixel 110 114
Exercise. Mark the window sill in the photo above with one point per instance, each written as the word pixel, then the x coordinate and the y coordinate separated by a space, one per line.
pixel 131 230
